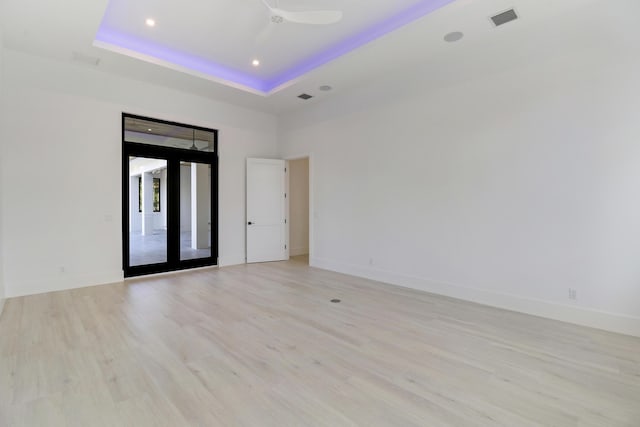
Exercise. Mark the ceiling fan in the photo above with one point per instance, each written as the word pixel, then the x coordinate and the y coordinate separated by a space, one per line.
pixel 310 17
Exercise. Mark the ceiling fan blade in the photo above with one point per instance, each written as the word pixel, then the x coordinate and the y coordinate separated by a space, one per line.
pixel 313 17
pixel 268 6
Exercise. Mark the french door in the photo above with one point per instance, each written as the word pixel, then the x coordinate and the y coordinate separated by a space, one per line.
pixel 169 196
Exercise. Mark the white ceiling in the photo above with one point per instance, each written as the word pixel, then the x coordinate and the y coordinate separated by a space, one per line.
pixel 225 32
pixel 219 39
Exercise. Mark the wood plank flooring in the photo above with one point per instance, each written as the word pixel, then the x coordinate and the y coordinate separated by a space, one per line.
pixel 262 345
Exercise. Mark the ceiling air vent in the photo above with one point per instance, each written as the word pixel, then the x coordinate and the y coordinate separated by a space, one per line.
pixel 305 96
pixel 504 17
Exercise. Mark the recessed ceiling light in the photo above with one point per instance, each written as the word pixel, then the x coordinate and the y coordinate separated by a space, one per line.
pixel 150 22
pixel 149 130
pixel 325 88
pixel 453 37
pixel 255 62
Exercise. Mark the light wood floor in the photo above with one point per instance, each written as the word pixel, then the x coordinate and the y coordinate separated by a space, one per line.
pixel 262 345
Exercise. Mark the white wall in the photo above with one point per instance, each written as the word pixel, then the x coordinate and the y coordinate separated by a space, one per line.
pixel 507 187
pixel 299 207
pixel 64 123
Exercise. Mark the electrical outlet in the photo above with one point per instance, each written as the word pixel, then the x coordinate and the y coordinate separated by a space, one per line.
pixel 573 294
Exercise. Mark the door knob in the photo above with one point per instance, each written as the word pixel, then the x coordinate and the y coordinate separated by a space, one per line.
pixel 249 223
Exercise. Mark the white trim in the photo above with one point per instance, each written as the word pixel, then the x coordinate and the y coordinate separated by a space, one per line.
pixel 63 283
pixel 612 322
pixel 299 251
pixel 287 209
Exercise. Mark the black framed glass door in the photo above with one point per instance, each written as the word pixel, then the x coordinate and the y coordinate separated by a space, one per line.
pixel 170 196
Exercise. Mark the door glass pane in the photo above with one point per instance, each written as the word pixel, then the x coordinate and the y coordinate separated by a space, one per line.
pixel 195 210
pixel 147 211
pixel 143 131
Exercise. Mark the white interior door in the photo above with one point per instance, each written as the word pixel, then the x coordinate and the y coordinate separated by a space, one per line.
pixel 266 213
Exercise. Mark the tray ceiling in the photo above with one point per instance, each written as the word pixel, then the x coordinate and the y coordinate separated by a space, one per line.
pixel 218 40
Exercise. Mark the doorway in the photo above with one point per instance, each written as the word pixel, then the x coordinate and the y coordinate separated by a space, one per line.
pixel 169 196
pixel 299 203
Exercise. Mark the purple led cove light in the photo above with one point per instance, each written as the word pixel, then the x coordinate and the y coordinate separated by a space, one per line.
pixel 221 72
pixel 343 47
pixel 194 63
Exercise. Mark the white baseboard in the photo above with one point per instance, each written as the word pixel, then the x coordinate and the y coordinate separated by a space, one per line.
pixel 75 281
pixel 612 322
pixel 62 283
pixel 298 251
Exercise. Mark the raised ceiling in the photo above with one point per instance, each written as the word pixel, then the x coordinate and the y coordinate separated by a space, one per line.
pixel 57 29
pixel 218 40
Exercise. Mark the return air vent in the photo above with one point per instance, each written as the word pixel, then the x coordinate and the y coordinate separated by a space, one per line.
pixel 305 96
pixel 504 17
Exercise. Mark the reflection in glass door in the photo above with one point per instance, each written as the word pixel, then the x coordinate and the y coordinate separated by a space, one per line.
pixel 195 210
pixel 147 215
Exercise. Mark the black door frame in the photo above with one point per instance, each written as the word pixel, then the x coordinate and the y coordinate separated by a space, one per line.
pixel 173 156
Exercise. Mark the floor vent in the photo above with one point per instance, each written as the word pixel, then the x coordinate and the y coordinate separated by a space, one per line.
pixel 305 96
pixel 335 300
pixel 504 17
